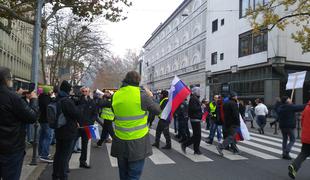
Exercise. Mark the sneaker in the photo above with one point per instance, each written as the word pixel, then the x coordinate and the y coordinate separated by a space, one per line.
pixel 183 147
pixel 291 171
pixel 46 159
pixel 219 150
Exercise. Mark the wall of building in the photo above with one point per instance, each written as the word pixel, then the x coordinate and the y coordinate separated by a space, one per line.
pixel 177 47
pixel 15 49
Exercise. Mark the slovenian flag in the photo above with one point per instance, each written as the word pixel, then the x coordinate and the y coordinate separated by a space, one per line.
pixel 242 133
pixel 178 92
pixel 92 132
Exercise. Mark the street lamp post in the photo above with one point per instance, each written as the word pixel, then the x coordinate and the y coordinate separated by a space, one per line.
pixel 35 68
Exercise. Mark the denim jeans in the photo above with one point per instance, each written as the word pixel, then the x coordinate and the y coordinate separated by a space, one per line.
pixel 261 121
pixel 11 165
pixel 29 132
pixel 287 133
pixel 44 140
pixel 130 170
pixel 215 128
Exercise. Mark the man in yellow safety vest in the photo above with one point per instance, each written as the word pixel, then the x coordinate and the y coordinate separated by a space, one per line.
pixel 131 144
pixel 108 116
pixel 163 124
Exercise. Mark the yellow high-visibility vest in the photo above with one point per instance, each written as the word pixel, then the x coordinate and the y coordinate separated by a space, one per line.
pixel 130 120
pixel 161 102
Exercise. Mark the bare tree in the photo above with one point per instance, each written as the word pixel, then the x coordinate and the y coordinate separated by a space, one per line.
pixel 114 70
pixel 76 47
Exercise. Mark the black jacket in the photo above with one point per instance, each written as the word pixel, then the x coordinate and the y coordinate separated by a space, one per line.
pixel 181 113
pixel 14 114
pixel 194 108
pixel 287 115
pixel 88 110
pixel 231 114
pixel 44 100
pixel 72 115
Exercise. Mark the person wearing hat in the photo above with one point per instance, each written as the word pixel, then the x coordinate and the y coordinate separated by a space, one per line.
pixel 45 133
pixel 195 116
pixel 231 123
pixel 163 124
pixel 65 135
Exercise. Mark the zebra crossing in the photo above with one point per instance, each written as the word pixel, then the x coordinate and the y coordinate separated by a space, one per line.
pixel 260 146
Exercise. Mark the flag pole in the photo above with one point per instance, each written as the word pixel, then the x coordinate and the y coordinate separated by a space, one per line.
pixel 292 94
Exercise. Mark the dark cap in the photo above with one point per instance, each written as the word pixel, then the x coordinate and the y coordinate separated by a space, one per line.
pixel 164 93
pixel 65 86
pixel 233 94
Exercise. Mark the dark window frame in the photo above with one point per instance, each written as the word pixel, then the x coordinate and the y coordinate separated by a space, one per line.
pixel 222 56
pixel 214 58
pixel 214 25
pixel 256 43
pixel 222 22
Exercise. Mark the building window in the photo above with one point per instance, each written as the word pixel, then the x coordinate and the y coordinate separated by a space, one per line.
pixel 214 58
pixel 245 44
pixel 214 25
pixel 221 56
pixel 260 42
pixel 244 5
pixel 250 43
pixel 222 22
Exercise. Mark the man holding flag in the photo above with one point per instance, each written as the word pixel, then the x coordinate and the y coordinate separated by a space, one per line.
pixel 195 115
pixel 163 124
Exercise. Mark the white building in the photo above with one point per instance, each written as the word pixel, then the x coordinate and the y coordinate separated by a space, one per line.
pixel 252 65
pixel 177 47
pixel 216 35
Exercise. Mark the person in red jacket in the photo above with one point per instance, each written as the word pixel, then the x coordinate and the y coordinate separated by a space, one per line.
pixel 305 139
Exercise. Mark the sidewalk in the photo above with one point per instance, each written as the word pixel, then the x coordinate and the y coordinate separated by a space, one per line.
pixel 32 172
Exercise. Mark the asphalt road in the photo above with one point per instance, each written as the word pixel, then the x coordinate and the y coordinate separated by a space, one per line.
pixel 260 160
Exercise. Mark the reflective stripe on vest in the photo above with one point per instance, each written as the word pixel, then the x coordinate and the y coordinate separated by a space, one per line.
pixel 107 114
pixel 212 109
pixel 130 120
pixel 161 102
pixel 133 118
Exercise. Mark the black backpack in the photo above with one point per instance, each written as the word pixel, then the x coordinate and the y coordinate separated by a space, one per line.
pixel 55 116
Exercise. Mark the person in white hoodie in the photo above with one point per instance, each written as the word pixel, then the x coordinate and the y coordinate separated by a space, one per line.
pixel 261 112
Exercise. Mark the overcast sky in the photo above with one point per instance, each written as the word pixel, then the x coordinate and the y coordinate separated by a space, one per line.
pixel 144 16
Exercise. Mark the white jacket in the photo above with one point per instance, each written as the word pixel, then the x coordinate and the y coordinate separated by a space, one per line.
pixel 261 110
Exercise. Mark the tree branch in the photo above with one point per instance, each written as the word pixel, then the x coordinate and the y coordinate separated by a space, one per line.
pixel 16 16
pixel 288 16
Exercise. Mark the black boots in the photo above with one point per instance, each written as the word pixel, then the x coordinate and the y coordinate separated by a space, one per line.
pixel 168 146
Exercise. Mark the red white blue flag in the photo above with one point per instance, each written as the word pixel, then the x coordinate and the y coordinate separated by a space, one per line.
pixel 92 132
pixel 242 131
pixel 178 92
